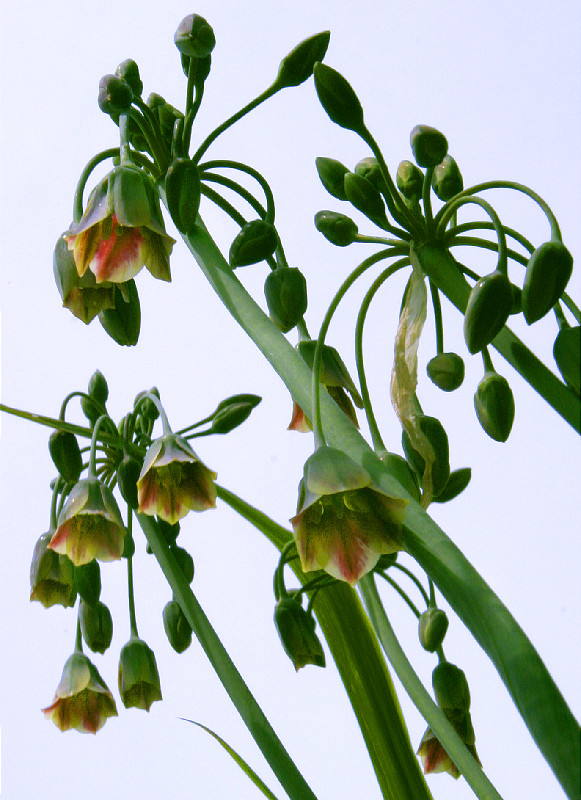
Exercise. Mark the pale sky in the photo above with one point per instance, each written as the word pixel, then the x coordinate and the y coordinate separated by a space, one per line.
pixel 502 81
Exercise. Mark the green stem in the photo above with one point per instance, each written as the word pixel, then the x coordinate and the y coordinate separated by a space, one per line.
pixel 435 718
pixel 264 736
pixel 112 152
pixel 356 653
pixel 455 204
pixel 401 593
pixel 254 173
pixel 441 267
pixel 130 594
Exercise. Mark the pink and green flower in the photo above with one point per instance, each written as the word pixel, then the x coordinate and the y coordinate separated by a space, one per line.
pixel 82 700
pixel 344 522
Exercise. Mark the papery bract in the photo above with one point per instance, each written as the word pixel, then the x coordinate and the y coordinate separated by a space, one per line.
pixel 90 525
pixel 82 700
pixel 121 230
pixel 344 522
pixel 174 481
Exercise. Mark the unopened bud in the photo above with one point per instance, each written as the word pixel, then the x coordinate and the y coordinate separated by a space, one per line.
pixel 447 179
pixel 285 290
pixel 547 274
pixel 177 628
pixel 409 180
pixel 96 626
pixel 66 455
pixel 337 228
pixel 432 627
pixel 494 405
pixel 446 370
pixel 488 308
pixel 429 146
pixel 194 37
pixel 256 241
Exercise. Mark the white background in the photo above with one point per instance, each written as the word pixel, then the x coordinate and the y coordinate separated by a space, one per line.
pixel 502 81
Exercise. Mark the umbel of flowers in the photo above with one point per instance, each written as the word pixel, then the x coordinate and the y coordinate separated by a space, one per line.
pixel 161 478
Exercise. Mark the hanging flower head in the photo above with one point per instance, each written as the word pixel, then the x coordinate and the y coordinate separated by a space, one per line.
pixel 82 700
pixel 174 481
pixel 51 576
pixel 121 230
pixel 139 684
pixel 344 522
pixel 90 525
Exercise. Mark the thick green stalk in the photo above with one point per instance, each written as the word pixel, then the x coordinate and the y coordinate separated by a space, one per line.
pixel 363 670
pixel 282 765
pixel 540 703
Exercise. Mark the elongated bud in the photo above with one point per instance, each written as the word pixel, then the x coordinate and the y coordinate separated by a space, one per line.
pixel 337 228
pixel 447 180
pixel 115 95
pixel 332 174
pixel 547 274
pixel 256 241
pixel 488 308
pixel 409 180
pixel 194 37
pixel 298 65
pixel 127 476
pixel 494 405
pixel 567 355
pixel 285 290
pixel 365 197
pixel 185 562
pixel 183 191
pixel 451 688
pixel 233 411
pixel 338 99
pixel 429 146
pixel 456 483
pixel 446 370
pixel 66 455
pixel 369 169
pixel 123 322
pixel 177 628
pixel 432 628
pixel 88 582
pixel 296 629
pixel 96 626
pixel 128 71
pixel 97 391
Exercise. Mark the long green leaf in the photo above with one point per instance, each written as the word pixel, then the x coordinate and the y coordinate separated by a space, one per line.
pixel 547 715
pixel 246 768
pixel 363 671
pixel 281 763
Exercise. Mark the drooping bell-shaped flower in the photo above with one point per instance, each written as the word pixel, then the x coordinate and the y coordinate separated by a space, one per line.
pixel 174 481
pixel 122 229
pixel 90 525
pixel 139 684
pixel 344 522
pixel 82 700
pixel 51 576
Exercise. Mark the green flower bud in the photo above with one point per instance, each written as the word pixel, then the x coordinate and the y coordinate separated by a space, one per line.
pixel 96 626
pixel 436 435
pixel 98 388
pixel 364 196
pixel 66 455
pixel 456 483
pixel 127 476
pixel 332 174
pixel 451 688
pixel 256 241
pixel 401 470
pixel 369 169
pixel 333 372
pixel 567 355
pixel 516 299
pixel 194 37
pixel 147 407
pixel 488 308
pixel 298 65
pixel 128 71
pixel 233 411
pixel 446 370
pixel 432 628
pixel 169 532
pixel 185 562
pixel 177 628
pixel 410 180
pixel 51 576
pixel 87 579
pixel 336 228
pixel 429 146
pixel 183 191
pixel 547 274
pixel 338 99
pixel 123 322
pixel 115 95
pixel 139 684
pixel 494 406
pixel 285 290
pixel 447 180
pixel 296 629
